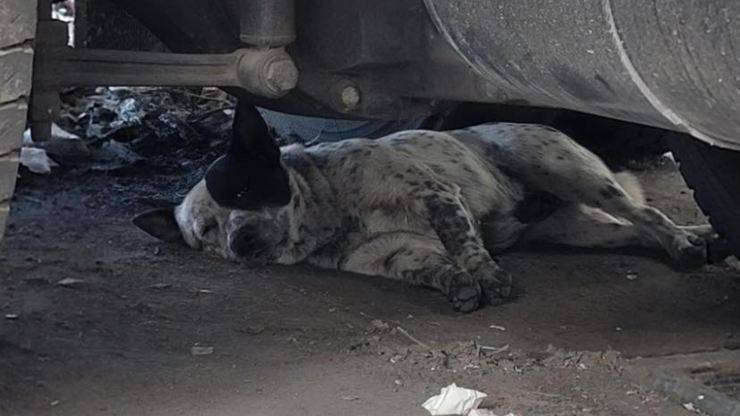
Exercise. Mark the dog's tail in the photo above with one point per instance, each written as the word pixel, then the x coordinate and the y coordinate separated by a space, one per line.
pixel 629 182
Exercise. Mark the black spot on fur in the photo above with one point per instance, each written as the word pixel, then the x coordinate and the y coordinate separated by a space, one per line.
pixel 610 191
pixel 399 175
pixel 537 206
pixel 388 262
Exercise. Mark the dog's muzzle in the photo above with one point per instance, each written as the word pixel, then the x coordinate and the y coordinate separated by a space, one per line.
pixel 246 243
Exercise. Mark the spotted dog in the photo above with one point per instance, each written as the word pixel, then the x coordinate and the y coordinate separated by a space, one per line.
pixel 426 207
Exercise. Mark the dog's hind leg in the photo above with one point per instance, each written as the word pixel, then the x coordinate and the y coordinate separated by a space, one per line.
pixel 578 225
pixel 546 160
pixel 581 226
pixel 686 248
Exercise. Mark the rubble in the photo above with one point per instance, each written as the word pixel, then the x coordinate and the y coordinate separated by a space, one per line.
pixel 112 128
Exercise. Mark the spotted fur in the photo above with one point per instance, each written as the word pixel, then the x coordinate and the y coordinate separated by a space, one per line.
pixel 430 207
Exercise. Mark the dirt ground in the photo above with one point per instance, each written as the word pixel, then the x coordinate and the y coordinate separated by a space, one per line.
pixel 302 341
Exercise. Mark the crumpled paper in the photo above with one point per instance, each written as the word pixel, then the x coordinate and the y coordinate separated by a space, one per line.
pixel 453 400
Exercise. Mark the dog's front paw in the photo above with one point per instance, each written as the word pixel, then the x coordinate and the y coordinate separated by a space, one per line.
pixel 496 284
pixel 464 294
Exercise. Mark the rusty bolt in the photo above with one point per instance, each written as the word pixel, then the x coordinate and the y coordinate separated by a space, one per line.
pixel 280 75
pixel 350 96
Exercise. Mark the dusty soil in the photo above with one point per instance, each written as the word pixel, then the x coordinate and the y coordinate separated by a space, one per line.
pixel 302 341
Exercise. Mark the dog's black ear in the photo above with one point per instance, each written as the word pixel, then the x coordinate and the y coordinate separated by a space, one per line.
pixel 160 223
pixel 249 176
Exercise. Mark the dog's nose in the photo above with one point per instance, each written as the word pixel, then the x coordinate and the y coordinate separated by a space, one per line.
pixel 245 241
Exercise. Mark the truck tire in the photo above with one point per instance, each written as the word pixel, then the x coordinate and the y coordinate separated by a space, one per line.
pixel 17 29
pixel 714 175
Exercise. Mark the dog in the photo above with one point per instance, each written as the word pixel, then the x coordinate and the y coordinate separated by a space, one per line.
pixel 425 207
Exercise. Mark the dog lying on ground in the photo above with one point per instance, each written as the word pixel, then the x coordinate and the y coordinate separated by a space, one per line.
pixel 426 207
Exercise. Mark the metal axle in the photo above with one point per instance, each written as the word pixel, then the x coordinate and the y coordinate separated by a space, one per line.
pixel 265 72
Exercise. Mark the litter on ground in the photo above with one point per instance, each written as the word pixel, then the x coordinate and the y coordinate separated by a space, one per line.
pixel 454 400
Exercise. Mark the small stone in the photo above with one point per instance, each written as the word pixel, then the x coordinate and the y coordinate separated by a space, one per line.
pixel 254 329
pixel 376 325
pixel 161 286
pixel 70 282
pixel 733 262
pixel 201 350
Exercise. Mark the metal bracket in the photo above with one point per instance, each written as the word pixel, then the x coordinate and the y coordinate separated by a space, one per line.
pixel 265 72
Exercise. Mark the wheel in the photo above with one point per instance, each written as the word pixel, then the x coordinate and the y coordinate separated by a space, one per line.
pixel 17 29
pixel 714 175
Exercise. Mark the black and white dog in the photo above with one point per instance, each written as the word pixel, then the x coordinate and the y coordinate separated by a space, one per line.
pixel 425 207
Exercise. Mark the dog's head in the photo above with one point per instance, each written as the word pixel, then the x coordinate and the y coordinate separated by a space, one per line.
pixel 248 206
pixel 258 236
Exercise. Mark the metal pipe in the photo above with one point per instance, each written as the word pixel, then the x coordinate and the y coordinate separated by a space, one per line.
pixel 267 23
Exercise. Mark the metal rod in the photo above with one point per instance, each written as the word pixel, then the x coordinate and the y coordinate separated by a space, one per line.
pixel 267 72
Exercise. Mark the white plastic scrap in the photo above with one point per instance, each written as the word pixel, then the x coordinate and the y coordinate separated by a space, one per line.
pixel 453 400
pixel 36 160
pixel 57 133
